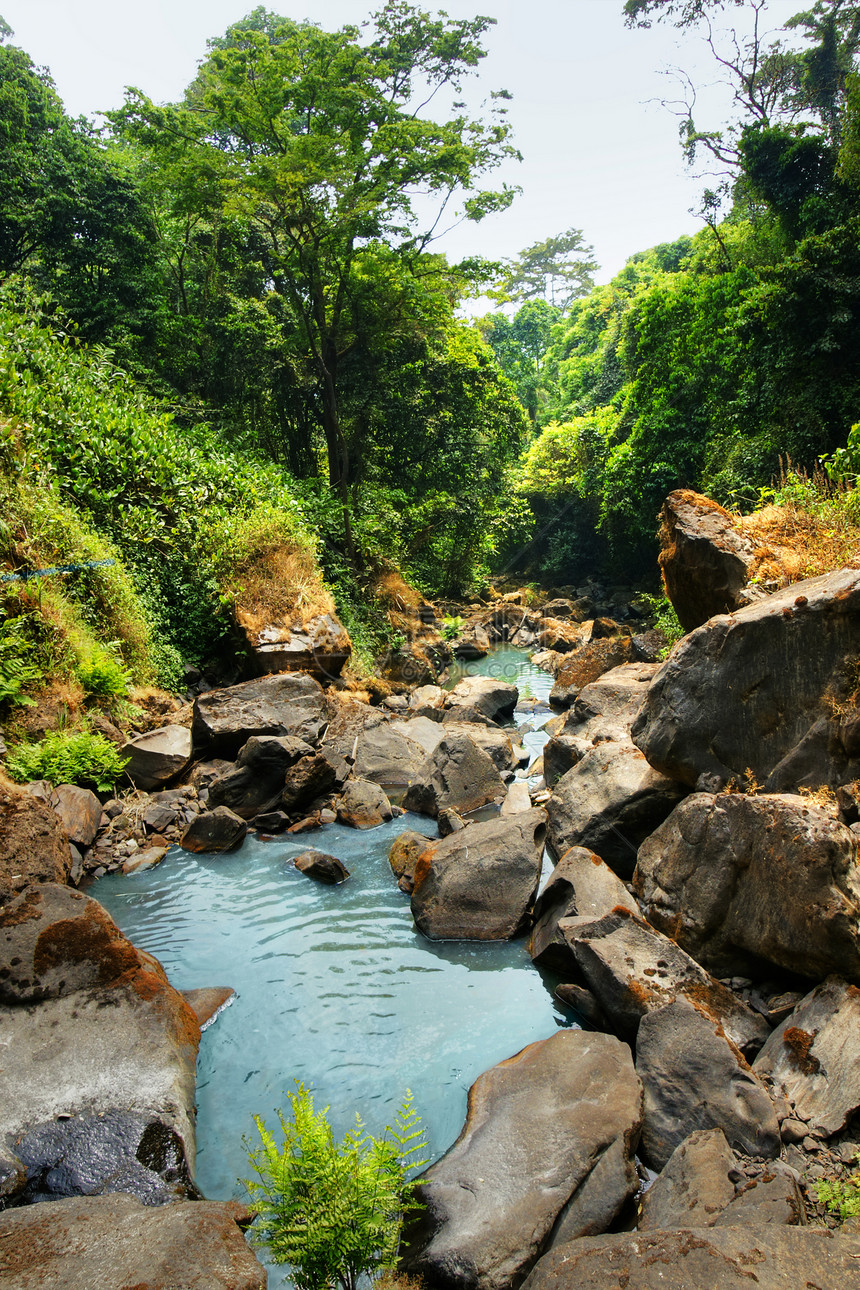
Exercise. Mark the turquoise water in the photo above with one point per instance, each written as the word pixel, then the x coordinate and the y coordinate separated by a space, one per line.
pixel 334 987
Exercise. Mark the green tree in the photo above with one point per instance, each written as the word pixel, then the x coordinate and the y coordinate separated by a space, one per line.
pixel 323 142
pixel 521 345
pixel 557 270
pixel 333 1211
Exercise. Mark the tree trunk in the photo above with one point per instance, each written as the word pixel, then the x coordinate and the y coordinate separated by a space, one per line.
pixel 338 453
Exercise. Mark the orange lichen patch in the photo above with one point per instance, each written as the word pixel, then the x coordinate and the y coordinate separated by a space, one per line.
pixel 29 908
pixel 93 939
pixel 799 1042
pixel 423 865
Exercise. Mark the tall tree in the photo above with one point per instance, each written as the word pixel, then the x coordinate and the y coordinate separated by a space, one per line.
pixel 557 270
pixel 324 141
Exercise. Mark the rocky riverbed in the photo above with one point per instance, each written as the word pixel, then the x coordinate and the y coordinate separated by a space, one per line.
pixel 702 918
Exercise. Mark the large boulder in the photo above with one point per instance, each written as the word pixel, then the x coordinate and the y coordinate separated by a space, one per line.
pixel 632 969
pixel 815 1056
pixel 388 756
pixel 80 811
pixel 491 698
pixel 586 664
pixel 157 757
pixel 695 1079
pixel 34 846
pixel 547 1147
pixel 495 742
pixel 580 885
pixel 103 1242
pixel 609 802
pixel 256 782
pixel 287 704
pixel 740 881
pixel 98 1073
pixel 607 708
pixel 704 560
pixel 321 646
pixel 214 831
pixel 363 805
pixel 479 883
pixel 457 775
pixel 310 778
pixel 768 691
pixel 703 1258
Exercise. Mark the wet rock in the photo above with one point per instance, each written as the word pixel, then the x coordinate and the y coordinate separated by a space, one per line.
pixel 33 843
pixel 695 1079
pixel 214 831
pixel 579 885
pixel 325 868
pixel 208 1001
pixel 363 805
pixel 754 692
pixel 610 802
pixel 715 1258
pixel 255 783
pixel 632 969
pixel 739 880
pixel 459 775
pixel 583 1002
pixel 310 778
pixel 321 646
pixel 705 562
pixel 493 699
pixel 547 1144
pixel 403 856
pixel 102 1242
pixel 286 704
pixel 146 858
pixel 479 884
pixel 80 811
pixel 814 1056
pixel 157 757
pixel 587 664
pixel 277 822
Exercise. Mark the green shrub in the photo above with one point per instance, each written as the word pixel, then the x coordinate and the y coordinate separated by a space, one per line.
pixel 841 1197
pixel 83 757
pixel 452 627
pixel 103 674
pixel 664 618
pixel 333 1211
pixel 18 665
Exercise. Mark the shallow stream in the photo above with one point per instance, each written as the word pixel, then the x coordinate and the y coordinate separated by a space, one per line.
pixel 334 986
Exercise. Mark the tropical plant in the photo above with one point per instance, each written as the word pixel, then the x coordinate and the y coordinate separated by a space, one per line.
pixel 841 1196
pixel 81 757
pixel 333 1211
pixel 452 627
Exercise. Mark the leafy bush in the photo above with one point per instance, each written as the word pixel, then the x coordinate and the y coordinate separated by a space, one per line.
pixel 82 758
pixel 104 674
pixel 664 618
pixel 18 669
pixel 333 1211
pixel 841 1197
pixel 452 627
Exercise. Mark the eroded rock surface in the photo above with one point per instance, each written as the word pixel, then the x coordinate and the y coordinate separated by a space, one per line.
pixel 34 846
pixel 457 775
pixel 704 560
pixel 580 885
pixel 157 757
pixel 286 704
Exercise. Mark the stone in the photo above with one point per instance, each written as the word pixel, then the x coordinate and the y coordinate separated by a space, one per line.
pixel 774 1198
pixel 560 754
pixel 363 805
pixel 491 698
pixel 203 773
pixel 561 607
pixel 321 646
pixel 479 884
pixel 457 774
pixel 549 1135
pixel 80 811
pixel 146 858
pixel 426 696
pixel 158 818
pixel 814 1057
pixel 583 1002
pixel 34 846
pixel 157 757
pixel 286 704
pixel 495 742
pixel 517 800
pixel 709 1258
pixel 104 1047
pixel 311 778
pixel 278 822
pixel 694 1186
pixel 412 665
pixel 403 856
pixel 387 756
pixel 632 969
pixel 581 884
pixel 104 1242
pixel 449 822
pixel 256 781
pixel 704 560
pixel 761 692
pixel 607 708
pixel 588 663
pixel 325 868
pixel 739 881
pixel 610 802
pixel 695 1079
pixel 214 831
pixel 208 1002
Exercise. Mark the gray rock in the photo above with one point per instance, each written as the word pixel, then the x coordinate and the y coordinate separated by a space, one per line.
pixel 102 1242
pixel 387 756
pixel 479 884
pixel 286 704
pixel 550 1134
pixel 704 560
pixel 606 709
pixel 815 1056
pixel 458 774
pixel 256 782
pixel 323 867
pixel 321 646
pixel 710 1258
pixel 580 885
pixel 632 969
pixel 694 1186
pixel 363 805
pixel 694 1079
pixel 157 757
pixel 484 694
pixel 310 778
pixel 517 800
pixel 560 754
pixel 214 831
pixel 449 822
pixel 738 881
pixel 495 742
pixel 586 664
pixel 754 691
pixel 609 802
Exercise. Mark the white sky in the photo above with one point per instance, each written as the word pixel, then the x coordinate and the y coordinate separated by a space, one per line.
pixel 597 155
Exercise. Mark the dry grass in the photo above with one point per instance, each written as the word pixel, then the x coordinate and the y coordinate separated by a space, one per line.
pixel 400 601
pixel 811 527
pixel 277 583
